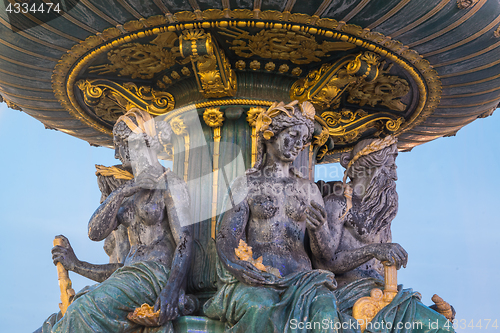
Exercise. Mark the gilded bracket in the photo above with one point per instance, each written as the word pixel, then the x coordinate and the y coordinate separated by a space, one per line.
pixel 346 126
pixel 324 86
pixel 213 72
pixel 128 95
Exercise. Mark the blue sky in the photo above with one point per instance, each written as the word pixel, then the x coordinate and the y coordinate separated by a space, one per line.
pixel 447 221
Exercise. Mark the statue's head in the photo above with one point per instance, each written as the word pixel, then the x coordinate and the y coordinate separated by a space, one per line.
pixel 371 157
pixel 136 133
pixel 372 169
pixel 284 130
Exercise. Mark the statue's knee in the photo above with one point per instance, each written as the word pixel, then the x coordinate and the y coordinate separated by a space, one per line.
pixel 261 299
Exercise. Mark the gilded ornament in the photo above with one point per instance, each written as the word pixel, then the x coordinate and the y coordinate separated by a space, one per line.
pixel 366 308
pixel 252 115
pixel 142 61
pixel 113 171
pixel 81 55
pixel 295 46
pixel 245 253
pixel 240 64
pixel 327 23
pixel 271 15
pixel 110 33
pixel 296 71
pixel 185 16
pixel 346 126
pixel 443 308
pixel 155 20
pixel 283 68
pixel 497 32
pixel 241 14
pixel 185 71
pixel 167 80
pixel 110 108
pixel 127 95
pixel 175 75
pixel 324 86
pixel 300 18
pixel 145 316
pixel 178 126
pixel 255 65
pixel 212 14
pixel 463 4
pixel 270 66
pixel 214 75
pixel 385 90
pixel 133 26
pixel 213 117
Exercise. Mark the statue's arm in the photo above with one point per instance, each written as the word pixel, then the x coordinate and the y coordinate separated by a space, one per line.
pixel 346 260
pixel 66 256
pixel 322 241
pixel 104 220
pixel 177 205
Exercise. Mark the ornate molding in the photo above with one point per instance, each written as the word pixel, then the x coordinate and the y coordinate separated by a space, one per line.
pixel 127 95
pixel 213 72
pixel 81 55
pixel 346 126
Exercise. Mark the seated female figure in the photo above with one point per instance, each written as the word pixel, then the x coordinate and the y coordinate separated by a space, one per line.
pixel 154 207
pixel 272 209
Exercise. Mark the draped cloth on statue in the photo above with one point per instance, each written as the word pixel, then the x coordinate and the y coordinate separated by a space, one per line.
pixel 105 308
pixel 405 313
pixel 280 307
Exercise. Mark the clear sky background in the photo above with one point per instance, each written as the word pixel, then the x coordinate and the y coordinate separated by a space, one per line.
pixel 448 218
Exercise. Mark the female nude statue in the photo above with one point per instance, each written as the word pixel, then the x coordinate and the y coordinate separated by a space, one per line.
pixel 154 207
pixel 273 209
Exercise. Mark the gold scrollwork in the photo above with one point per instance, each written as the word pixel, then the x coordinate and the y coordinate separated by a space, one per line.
pixel 296 46
pixel 128 95
pixel 213 71
pixel 346 126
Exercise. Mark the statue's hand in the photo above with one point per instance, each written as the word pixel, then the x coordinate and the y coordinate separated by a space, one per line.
pixel 249 274
pixel 167 303
pixel 130 188
pixel 65 255
pixel 315 215
pixel 392 253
